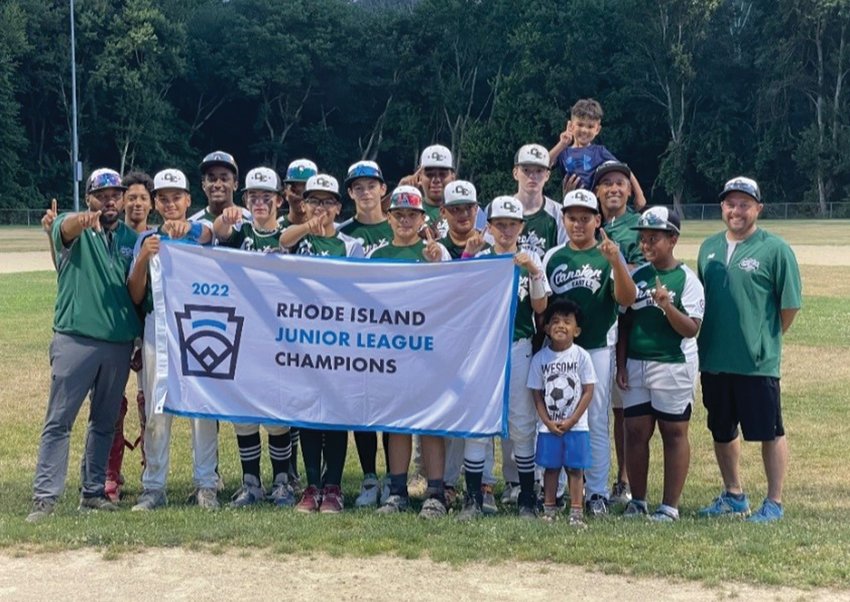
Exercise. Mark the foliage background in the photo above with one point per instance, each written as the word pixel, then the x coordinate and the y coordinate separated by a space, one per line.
pixel 694 91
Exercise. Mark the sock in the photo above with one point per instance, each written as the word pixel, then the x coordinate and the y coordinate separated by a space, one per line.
pixel 473 475
pixel 398 484
pixel 367 449
pixel 738 497
pixel 295 437
pixel 280 452
pixel 336 445
pixel 249 453
pixel 669 510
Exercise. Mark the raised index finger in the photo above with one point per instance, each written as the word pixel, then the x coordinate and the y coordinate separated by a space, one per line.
pixel 53 206
pixel 428 235
pixel 604 234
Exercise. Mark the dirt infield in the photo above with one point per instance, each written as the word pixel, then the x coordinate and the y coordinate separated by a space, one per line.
pixel 175 574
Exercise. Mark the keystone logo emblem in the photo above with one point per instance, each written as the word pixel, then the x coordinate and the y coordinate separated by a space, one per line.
pixel 209 340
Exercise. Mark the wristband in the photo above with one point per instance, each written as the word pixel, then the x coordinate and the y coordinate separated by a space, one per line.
pixel 195 231
pixel 466 255
pixel 536 288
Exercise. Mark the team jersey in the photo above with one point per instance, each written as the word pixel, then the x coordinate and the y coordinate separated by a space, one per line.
pixel 370 236
pixel 283 222
pixel 206 217
pixel 560 375
pixel 92 299
pixel 248 237
pixel 742 329
pixel 586 278
pixel 329 246
pixel 583 161
pixel 455 250
pixel 651 337
pixel 543 229
pixel 619 230
pixel 524 327
pixel 414 252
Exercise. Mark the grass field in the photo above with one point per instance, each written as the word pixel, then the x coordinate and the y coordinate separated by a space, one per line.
pixel 810 548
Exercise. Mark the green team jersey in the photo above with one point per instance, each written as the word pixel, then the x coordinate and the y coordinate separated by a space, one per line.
pixel 283 222
pixel 208 219
pixel 619 230
pixel 524 326
pixel 370 236
pixel 543 229
pixel 586 278
pixel 92 299
pixel 328 246
pixel 247 237
pixel 651 337
pixel 434 218
pixel 413 252
pixel 742 330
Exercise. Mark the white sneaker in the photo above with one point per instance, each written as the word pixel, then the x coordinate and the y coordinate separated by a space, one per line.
pixel 369 491
pixel 207 498
pixel 510 494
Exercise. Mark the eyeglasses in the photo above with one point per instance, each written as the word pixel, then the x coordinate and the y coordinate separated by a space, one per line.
pixel 314 201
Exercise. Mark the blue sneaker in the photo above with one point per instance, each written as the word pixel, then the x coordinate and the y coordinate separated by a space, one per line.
pixel 726 505
pixel 769 512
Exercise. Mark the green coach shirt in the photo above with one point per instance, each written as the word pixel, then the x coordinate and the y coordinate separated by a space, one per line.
pixel 742 329
pixel 619 230
pixel 92 299
pixel 585 277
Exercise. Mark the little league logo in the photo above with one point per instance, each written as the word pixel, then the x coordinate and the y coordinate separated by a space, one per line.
pixel 209 340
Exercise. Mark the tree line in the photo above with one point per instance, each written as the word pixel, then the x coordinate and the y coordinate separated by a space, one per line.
pixel 694 91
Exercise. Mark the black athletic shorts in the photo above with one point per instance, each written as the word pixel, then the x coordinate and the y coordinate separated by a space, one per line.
pixel 646 409
pixel 751 401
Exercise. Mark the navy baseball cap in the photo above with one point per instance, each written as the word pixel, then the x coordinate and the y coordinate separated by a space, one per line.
pixel 608 167
pixel 220 158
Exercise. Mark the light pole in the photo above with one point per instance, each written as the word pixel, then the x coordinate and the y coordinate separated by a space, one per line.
pixel 75 145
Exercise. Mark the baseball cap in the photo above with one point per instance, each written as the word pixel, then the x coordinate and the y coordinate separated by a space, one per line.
pixel 322 183
pixel 608 167
pixel 532 154
pixel 659 218
pixel 406 197
pixel 581 198
pixel 262 178
pixel 300 170
pixel 436 155
pixel 219 158
pixel 460 192
pixel 742 184
pixel 363 169
pixel 170 178
pixel 103 178
pixel 505 206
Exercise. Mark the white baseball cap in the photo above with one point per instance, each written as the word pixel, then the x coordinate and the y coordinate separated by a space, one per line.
pixel 505 207
pixel 322 183
pixel 460 192
pixel 532 154
pixel 742 184
pixel 170 178
pixel 436 155
pixel 581 198
pixel 262 178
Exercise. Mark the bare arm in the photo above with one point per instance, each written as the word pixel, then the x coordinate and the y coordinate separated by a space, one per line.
pixel 137 282
pixel 640 199
pixel 787 316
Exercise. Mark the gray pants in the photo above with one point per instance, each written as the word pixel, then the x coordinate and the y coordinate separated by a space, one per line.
pixel 80 365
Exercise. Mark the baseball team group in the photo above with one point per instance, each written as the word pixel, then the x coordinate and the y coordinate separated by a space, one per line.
pixel 610 335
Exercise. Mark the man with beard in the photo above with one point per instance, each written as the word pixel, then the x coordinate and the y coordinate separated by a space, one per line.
pixel 94 326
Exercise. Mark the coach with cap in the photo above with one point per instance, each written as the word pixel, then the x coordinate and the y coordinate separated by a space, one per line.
pixel 94 326
pixel 752 294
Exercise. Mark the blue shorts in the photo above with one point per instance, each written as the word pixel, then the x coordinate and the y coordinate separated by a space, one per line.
pixel 570 450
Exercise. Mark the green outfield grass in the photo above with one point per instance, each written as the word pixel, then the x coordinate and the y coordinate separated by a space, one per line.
pixel 811 547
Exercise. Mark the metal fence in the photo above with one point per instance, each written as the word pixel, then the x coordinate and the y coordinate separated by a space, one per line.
pixel 697 211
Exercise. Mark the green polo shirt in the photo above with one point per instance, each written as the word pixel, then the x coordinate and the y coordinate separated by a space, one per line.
pixel 92 299
pixel 742 329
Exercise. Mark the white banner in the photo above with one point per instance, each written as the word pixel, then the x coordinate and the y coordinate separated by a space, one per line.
pixel 349 344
